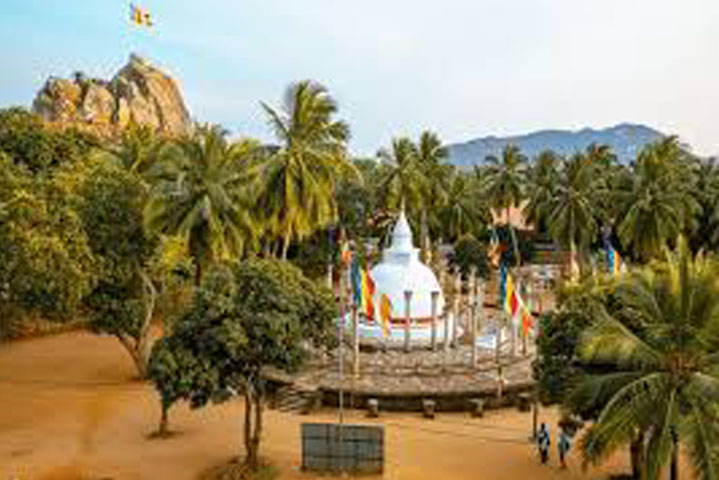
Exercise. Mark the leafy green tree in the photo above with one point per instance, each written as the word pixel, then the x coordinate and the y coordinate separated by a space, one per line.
pixel 504 183
pixel 557 366
pixel 660 350
pixel 468 253
pixel 122 304
pixel 655 199
pixel 299 180
pixel 247 317
pixel 46 265
pixel 28 142
pixel 177 373
pixel 203 192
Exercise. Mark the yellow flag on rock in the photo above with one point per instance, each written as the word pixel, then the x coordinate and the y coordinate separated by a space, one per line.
pixel 140 16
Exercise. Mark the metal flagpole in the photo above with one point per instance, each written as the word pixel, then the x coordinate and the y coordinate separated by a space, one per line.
pixel 341 346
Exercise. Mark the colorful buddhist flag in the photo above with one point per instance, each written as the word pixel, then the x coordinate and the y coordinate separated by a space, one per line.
pixel 511 298
pixel 140 16
pixel 368 294
pixel 363 289
pixel 345 252
pixel 614 260
pixel 385 312
pixel 527 322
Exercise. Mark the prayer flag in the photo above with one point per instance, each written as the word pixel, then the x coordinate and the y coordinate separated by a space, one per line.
pixel 614 260
pixel 385 312
pixel 363 289
pixel 140 16
pixel 367 294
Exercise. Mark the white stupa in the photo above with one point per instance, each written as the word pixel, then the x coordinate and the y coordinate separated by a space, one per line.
pixel 401 270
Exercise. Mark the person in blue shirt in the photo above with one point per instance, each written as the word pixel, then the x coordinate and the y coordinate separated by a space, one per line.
pixel 543 442
pixel 565 443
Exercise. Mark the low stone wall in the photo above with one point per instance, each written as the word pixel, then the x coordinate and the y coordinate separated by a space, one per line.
pixel 445 401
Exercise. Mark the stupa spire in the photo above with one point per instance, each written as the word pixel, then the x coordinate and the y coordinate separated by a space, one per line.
pixel 402 234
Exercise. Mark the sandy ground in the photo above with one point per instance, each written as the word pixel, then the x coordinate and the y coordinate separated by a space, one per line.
pixel 69 409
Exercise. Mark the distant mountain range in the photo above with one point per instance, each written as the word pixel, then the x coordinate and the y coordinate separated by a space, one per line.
pixel 625 139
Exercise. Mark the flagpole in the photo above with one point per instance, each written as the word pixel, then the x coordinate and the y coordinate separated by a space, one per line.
pixel 341 348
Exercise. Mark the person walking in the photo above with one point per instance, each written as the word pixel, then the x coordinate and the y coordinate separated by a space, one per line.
pixel 543 442
pixel 565 443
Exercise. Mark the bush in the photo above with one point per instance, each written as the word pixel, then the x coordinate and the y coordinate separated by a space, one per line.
pixel 468 253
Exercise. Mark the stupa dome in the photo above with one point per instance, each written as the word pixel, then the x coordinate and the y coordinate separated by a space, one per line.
pixel 401 270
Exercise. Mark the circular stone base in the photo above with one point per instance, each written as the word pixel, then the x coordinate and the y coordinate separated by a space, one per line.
pixel 400 381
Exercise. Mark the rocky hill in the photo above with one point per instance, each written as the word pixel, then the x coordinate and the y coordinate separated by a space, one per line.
pixel 139 92
pixel 625 139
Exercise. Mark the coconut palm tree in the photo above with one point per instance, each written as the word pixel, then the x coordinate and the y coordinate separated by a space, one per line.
pixel 655 201
pixel 505 183
pixel 298 195
pixel 573 212
pixel 661 348
pixel 541 187
pixel 431 157
pixel 464 211
pixel 402 180
pixel 139 148
pixel 202 192
pixel 706 192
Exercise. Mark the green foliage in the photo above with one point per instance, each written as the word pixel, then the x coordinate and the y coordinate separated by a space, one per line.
pixel 253 314
pixel 28 142
pixel 178 374
pixel 202 193
pixel 468 253
pixel 111 206
pixel 574 218
pixel 543 177
pixel 402 179
pixel 505 179
pixel 558 367
pixel 245 317
pixel 357 202
pixel 46 266
pixel 656 199
pixel 657 344
pixel 297 195
pixel 464 211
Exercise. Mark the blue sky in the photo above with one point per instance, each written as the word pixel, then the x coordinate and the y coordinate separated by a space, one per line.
pixel 464 68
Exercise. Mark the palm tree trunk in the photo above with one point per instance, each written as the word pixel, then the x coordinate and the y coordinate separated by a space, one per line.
pixel 636 451
pixel 285 246
pixel 513 236
pixel 198 272
pixel 573 266
pixel 674 465
pixel 423 233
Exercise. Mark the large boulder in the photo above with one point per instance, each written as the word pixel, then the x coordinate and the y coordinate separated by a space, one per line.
pixel 139 93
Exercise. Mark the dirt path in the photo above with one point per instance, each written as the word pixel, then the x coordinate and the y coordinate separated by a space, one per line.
pixel 69 409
